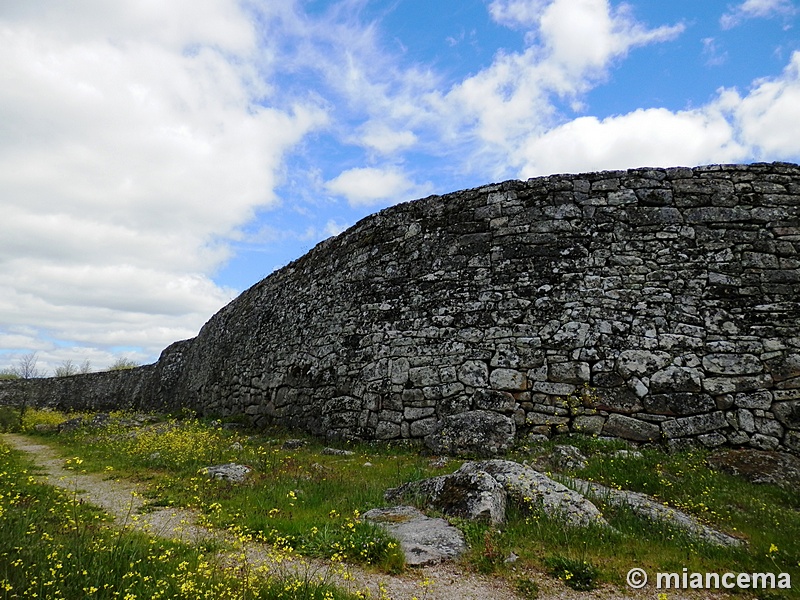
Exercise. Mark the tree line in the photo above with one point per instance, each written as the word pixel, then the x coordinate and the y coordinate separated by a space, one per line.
pixel 26 367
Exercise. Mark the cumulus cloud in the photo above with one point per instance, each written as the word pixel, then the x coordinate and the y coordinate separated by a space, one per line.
pixel 136 138
pixel 386 140
pixel 370 185
pixel 766 115
pixel 646 137
pixel 751 9
pixel 571 46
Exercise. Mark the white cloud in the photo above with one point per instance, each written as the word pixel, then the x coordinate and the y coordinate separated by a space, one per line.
pixel 368 185
pixel 751 9
pixel 333 227
pixel 517 13
pixel 385 139
pixel 768 115
pixel 136 138
pixel 647 137
pixel 573 43
pixel 583 37
pixel 712 54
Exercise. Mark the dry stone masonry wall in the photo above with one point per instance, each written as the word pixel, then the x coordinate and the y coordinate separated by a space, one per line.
pixel 651 305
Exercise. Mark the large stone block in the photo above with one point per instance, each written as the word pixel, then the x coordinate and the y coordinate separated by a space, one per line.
pixel 682 403
pixel 631 429
pixel 691 426
pixel 502 402
pixel 788 413
pixel 620 400
pixel 784 367
pixel 508 379
pixel 474 374
pixel 642 362
pixel 676 379
pixel 732 364
pixel 474 433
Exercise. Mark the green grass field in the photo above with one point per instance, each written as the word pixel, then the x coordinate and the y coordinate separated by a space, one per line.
pixel 310 502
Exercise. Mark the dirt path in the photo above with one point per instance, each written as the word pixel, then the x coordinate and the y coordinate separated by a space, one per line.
pixel 121 499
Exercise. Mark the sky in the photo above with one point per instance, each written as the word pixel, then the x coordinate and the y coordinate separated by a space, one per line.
pixel 158 158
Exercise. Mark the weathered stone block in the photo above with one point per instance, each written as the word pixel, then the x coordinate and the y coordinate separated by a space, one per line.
pixel 681 403
pixel 476 433
pixel 732 384
pixel 620 399
pixel 691 426
pixel 537 418
pixel 493 400
pixel 423 427
pixel 507 379
pixel 745 420
pixel 784 367
pixel 412 414
pixel 588 424
pixel 474 374
pixel 769 427
pixel 732 364
pixel 569 372
pixel 788 413
pixel 553 389
pixel 387 430
pixel 423 376
pixel 676 379
pixel 762 400
pixel 631 429
pixel 764 442
pixel 641 362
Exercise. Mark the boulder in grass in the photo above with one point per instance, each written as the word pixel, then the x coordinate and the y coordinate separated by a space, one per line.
pixel 475 496
pixel 529 488
pixel 424 540
pixel 232 472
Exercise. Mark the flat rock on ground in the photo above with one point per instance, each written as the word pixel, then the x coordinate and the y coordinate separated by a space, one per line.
pixel 424 540
pixel 759 466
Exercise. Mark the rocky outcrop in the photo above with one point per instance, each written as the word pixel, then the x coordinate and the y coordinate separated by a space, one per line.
pixel 480 490
pixel 652 509
pixel 473 495
pixel 656 305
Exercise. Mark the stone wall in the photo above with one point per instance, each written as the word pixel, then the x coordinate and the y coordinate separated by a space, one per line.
pixel 651 304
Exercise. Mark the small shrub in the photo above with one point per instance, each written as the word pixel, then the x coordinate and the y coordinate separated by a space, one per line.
pixel 578 574
pixel 9 419
pixel 527 588
pixel 35 416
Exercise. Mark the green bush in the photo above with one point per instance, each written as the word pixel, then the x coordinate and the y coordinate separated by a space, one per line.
pixel 9 419
pixel 578 574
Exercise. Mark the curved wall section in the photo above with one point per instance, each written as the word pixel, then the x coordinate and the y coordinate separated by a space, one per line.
pixel 651 304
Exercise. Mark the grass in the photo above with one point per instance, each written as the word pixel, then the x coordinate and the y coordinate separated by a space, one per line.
pixel 309 502
pixel 53 546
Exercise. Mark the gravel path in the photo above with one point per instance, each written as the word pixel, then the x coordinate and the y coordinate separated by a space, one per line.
pixel 121 499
